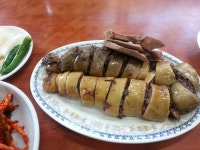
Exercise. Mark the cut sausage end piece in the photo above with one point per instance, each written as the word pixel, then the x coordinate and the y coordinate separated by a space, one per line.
pixel 183 99
pixel 49 83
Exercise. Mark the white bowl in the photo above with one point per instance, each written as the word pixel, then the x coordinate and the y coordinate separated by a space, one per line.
pixel 25 114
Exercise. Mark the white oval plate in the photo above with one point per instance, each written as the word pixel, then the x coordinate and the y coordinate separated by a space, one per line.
pixel 93 123
pixel 17 30
pixel 24 113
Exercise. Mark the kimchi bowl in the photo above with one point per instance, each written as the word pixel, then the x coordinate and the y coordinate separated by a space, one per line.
pixel 24 113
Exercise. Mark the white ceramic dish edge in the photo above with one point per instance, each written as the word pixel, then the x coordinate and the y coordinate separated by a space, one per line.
pixel 198 39
pixel 25 59
pixel 24 102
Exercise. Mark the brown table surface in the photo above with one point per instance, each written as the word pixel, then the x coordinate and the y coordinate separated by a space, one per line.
pixel 54 23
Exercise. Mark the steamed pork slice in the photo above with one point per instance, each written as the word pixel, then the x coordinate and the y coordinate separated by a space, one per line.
pixel 183 99
pixel 132 69
pixel 164 73
pixel 129 45
pixel 115 64
pixel 61 82
pixel 49 83
pixel 87 90
pixel 72 84
pixel 82 60
pixel 98 61
pixel 101 91
pixel 144 71
pixel 133 102
pixel 114 98
pixel 186 70
pixel 131 52
pixel 67 59
pixel 158 105
pixel 148 43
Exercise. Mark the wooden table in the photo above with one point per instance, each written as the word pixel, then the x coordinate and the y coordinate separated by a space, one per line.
pixel 54 23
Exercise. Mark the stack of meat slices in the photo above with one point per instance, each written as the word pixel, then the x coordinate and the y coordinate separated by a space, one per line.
pixel 143 48
pixel 140 84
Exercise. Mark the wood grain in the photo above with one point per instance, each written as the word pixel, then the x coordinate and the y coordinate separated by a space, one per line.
pixel 53 23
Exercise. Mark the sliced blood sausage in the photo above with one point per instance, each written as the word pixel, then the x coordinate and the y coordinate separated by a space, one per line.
pixel 159 103
pixel 67 60
pixel 134 99
pixel 98 61
pixel 82 60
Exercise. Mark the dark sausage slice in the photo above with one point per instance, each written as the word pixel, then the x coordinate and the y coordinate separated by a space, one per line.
pixel 67 60
pixel 131 69
pixel 81 61
pixel 115 65
pixel 98 61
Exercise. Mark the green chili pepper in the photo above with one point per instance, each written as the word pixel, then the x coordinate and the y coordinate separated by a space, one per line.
pixel 10 57
pixel 22 51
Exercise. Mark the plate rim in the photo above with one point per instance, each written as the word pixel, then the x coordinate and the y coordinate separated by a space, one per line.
pixel 89 132
pixel 25 59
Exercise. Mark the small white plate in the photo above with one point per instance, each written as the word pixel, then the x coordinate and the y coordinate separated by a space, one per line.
pixel 94 123
pixel 24 113
pixel 17 30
